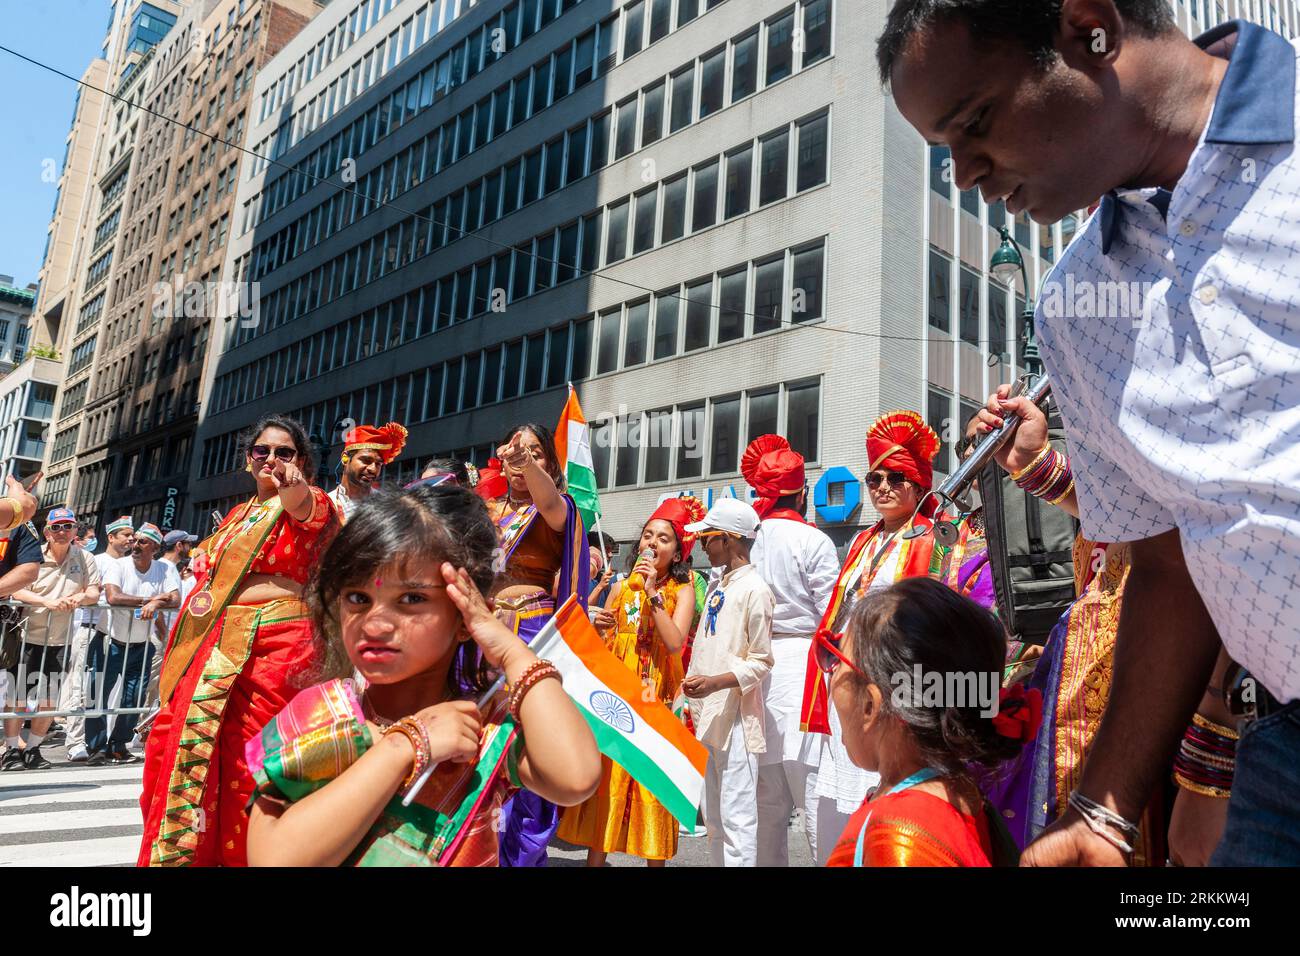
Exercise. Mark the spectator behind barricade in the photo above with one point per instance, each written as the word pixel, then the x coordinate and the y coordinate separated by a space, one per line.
pixel 20 559
pixel 138 588
pixel 91 625
pixel 66 579
pixel 603 576
pixel 176 552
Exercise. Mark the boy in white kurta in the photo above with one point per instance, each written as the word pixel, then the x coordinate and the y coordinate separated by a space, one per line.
pixel 731 655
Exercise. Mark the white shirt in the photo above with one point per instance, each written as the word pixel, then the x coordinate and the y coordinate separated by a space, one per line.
pixel 161 578
pixel 344 502
pixel 97 616
pixel 739 642
pixel 800 565
pixel 1186 414
pixel 187 585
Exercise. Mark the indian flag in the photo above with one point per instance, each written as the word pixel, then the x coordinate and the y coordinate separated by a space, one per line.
pixel 640 735
pixel 573 445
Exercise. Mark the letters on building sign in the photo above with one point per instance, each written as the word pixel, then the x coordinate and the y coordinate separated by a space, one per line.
pixel 836 484
pixel 169 509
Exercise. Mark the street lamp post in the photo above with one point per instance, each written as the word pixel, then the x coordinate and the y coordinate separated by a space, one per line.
pixel 1004 265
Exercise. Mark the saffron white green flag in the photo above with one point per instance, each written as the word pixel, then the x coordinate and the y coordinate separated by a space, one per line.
pixel 573 445
pixel 631 726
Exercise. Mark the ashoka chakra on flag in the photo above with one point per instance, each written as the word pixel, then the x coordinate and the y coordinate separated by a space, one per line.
pixel 612 711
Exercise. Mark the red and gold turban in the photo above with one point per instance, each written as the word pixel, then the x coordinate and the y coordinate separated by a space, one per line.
pixel 388 440
pixel 773 469
pixel 679 512
pixel 491 482
pixel 902 441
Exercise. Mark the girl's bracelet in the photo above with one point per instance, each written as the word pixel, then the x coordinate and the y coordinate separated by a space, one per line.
pixel 537 672
pixel 413 731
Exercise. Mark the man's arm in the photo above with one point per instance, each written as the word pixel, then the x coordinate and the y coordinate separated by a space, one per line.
pixel 1164 654
pixel 18 578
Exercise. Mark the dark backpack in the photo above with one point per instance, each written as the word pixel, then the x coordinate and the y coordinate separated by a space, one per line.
pixel 1030 546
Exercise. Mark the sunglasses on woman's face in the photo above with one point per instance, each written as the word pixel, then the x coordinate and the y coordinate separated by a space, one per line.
pixel 896 478
pixel 282 452
pixel 826 648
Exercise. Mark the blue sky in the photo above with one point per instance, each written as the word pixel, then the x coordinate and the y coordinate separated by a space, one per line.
pixel 36 109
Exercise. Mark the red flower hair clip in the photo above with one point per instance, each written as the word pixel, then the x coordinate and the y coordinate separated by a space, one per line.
pixel 1020 712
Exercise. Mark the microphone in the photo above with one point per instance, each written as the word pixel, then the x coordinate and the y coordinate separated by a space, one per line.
pixel 950 493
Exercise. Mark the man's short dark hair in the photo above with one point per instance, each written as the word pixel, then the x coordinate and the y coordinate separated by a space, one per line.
pixel 1031 23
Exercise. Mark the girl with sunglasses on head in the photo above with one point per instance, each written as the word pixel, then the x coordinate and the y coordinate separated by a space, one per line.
pixel 900 450
pixel 398 597
pixel 238 642
pixel 900 645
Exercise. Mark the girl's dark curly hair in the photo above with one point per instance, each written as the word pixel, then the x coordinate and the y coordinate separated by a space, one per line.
pixel 248 438
pixel 920 622
pixel 389 528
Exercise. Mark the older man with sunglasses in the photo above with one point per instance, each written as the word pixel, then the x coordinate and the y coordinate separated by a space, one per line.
pixel 67 579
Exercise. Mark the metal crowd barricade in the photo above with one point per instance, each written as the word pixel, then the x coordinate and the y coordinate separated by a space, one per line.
pixel 28 693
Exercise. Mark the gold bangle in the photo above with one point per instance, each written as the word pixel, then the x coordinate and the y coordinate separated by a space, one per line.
pixel 1065 494
pixel 1206 791
pixel 1038 459
pixel 18 512
pixel 1206 724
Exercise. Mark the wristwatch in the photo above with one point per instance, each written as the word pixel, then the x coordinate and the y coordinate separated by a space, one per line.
pixel 657 601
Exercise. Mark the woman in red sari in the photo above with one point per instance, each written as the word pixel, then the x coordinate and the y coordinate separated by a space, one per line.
pixel 241 639
pixel 916 681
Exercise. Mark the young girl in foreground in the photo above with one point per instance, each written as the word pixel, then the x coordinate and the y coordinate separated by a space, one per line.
pixel 926 810
pixel 398 596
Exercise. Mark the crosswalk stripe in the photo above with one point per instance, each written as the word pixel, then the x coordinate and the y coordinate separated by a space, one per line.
pixel 40 796
pixel 73 774
pixel 70 819
pixel 110 851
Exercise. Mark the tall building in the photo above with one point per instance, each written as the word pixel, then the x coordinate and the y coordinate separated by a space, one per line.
pixel 704 213
pixel 142 406
pixel 26 387
pixel 89 230
pixel 152 218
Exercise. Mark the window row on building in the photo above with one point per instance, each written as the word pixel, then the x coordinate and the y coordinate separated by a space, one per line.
pixel 749 299
pixel 702 439
pixel 717 190
pixel 659 109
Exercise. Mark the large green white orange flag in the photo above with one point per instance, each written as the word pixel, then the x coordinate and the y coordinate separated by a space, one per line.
pixel 573 444
pixel 640 735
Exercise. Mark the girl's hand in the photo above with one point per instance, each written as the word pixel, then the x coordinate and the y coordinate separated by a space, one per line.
pixel 647 568
pixel 698 686
pixel 454 729
pixel 493 638
pixel 602 619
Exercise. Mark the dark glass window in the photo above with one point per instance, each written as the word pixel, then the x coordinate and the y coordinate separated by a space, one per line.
pixel 769 279
pixel 690 447
pixel 731 305
pixel 633 29
pixel 816 31
pixel 683 93
pixel 802 418
pixel 661 19
pixel 557 360
pixel 568 256
pixel 774 165
pixel 713 68
pixel 699 314
pixel 607 350
pixel 667 308
pixel 638 330
pixel 812 153
pixel 744 66
pixel 616 241
pixel 657 440
pixel 725 446
pixel 599 142
pixel 652 114
pixel 625 138
pixel 705 210
pixel 969 307
pixel 780 48
pixel 763 407
pixel 577 153
pixel 643 228
pixel 740 174
pixel 937 285
pixel 674 222
pixel 809 282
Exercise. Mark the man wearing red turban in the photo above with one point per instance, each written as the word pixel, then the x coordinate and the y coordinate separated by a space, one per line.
pixel 366 450
pixel 800 565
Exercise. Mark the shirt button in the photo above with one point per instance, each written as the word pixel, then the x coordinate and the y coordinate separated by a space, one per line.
pixel 1188 228
pixel 1207 294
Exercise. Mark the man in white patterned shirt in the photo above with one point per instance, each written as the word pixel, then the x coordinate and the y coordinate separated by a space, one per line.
pixel 1182 403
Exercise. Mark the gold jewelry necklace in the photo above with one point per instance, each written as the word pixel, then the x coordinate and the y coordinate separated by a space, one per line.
pixel 368 709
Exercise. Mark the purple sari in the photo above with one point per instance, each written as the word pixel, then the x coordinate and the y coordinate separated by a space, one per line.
pixel 530 821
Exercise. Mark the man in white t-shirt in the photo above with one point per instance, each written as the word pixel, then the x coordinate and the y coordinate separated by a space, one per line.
pixel 92 625
pixel 138 588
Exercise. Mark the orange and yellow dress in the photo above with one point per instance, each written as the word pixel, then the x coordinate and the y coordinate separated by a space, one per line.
pixel 622 816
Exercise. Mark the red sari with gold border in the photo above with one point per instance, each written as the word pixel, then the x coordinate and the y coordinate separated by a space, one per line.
pixel 227 671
